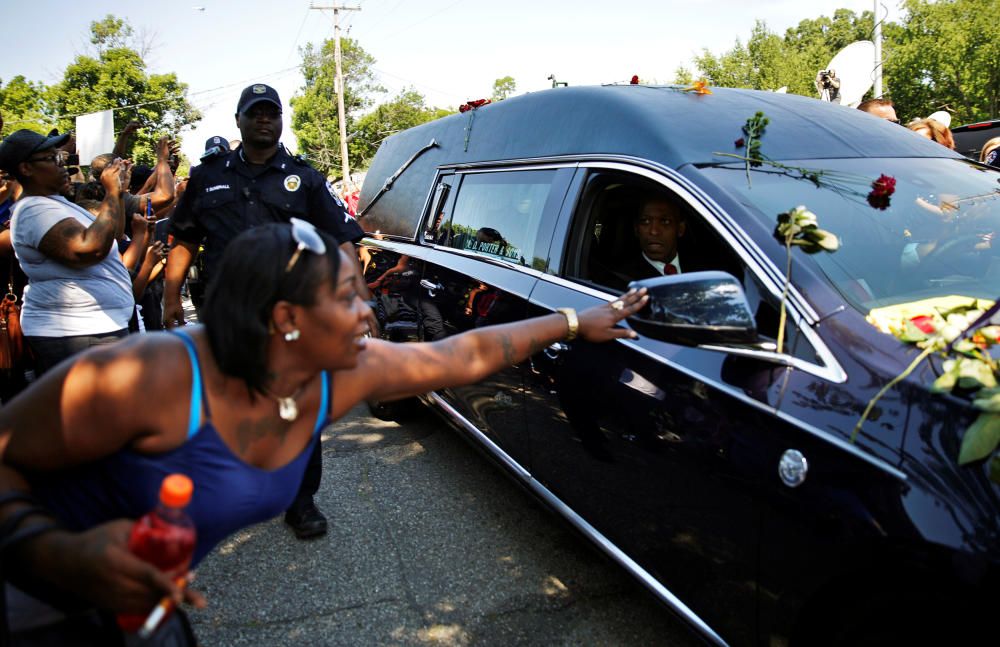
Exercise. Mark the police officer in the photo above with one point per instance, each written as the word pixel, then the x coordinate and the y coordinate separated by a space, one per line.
pixel 257 183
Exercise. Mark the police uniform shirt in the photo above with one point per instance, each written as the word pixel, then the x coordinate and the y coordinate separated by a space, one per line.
pixel 227 195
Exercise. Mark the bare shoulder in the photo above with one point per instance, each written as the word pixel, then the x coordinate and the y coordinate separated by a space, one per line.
pixel 153 362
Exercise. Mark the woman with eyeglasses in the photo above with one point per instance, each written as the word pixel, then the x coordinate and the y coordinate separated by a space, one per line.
pixel 79 292
pixel 237 404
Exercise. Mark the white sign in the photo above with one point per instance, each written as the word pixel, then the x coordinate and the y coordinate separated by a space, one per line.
pixel 95 134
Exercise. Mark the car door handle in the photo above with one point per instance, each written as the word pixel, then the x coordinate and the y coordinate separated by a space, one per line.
pixel 431 287
pixel 556 349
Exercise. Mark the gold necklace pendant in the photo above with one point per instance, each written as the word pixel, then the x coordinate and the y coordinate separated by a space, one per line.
pixel 287 409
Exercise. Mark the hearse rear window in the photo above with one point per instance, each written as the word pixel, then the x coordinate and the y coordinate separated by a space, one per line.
pixel 498 214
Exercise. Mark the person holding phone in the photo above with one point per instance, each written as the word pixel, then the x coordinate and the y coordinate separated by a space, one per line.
pixel 79 293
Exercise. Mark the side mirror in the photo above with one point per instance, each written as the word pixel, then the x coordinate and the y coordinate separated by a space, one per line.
pixel 695 308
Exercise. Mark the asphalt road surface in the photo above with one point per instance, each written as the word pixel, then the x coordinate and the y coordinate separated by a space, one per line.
pixel 429 544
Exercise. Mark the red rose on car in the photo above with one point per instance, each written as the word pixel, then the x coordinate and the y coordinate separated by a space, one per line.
pixel 472 105
pixel 882 190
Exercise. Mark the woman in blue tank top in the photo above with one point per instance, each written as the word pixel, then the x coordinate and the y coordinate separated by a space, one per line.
pixel 236 405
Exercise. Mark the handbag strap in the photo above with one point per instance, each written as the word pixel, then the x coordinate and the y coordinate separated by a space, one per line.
pixel 10 277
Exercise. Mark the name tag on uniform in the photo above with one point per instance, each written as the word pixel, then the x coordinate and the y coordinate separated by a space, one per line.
pixel 217 187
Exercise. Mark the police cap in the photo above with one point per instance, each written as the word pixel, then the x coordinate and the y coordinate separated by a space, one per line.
pixel 256 93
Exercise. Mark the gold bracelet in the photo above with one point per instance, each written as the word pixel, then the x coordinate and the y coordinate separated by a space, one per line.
pixel 571 322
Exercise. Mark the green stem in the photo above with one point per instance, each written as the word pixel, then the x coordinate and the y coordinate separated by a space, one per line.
pixel 896 380
pixel 784 294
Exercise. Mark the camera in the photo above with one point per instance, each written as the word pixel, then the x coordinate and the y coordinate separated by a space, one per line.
pixel 827 80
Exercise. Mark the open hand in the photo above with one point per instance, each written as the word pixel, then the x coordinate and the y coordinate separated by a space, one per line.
pixel 163 148
pixel 600 323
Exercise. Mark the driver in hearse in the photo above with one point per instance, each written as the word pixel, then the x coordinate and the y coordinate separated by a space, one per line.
pixel 659 225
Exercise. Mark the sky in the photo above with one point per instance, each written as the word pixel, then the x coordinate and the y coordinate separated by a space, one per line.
pixel 450 51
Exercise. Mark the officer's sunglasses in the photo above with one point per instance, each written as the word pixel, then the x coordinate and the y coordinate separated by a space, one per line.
pixel 308 238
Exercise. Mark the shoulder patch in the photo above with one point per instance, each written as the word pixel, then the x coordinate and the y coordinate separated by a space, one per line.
pixel 333 194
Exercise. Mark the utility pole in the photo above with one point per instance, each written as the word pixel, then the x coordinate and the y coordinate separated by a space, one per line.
pixel 341 118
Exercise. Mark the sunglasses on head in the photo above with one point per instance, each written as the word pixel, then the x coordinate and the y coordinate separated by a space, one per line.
pixel 307 238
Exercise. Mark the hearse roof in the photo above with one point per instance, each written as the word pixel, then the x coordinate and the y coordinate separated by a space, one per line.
pixel 664 125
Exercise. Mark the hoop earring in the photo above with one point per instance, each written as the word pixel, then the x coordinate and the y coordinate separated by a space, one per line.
pixel 293 335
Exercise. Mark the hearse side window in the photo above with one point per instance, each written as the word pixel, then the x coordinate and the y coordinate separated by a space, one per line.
pixel 498 214
pixel 437 229
pixel 623 221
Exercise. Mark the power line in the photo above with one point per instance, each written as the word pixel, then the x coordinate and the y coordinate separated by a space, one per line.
pixel 423 20
pixel 298 35
pixel 419 85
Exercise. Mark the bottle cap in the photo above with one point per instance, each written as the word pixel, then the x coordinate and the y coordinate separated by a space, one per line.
pixel 176 491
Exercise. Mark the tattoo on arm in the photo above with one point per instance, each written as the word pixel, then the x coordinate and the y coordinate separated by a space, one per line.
pixel 57 240
pixel 508 349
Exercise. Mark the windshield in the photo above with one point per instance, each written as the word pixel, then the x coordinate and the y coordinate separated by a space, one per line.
pixel 932 238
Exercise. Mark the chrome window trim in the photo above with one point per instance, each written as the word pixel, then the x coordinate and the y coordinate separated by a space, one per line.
pixel 494 167
pixel 750 254
pixel 578 522
pixel 407 248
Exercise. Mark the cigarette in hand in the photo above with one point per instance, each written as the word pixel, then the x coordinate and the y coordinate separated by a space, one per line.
pixel 160 611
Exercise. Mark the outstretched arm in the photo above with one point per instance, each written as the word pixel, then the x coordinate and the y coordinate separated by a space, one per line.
pixel 388 371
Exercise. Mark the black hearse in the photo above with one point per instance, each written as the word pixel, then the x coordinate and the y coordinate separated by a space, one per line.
pixel 720 470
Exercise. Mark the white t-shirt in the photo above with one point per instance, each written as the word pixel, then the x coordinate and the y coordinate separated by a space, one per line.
pixel 60 301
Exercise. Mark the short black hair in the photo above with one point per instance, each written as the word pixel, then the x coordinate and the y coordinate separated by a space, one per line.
pixel 249 280
pixel 657 196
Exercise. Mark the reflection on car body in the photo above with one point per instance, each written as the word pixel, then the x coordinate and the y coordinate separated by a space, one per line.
pixel 717 470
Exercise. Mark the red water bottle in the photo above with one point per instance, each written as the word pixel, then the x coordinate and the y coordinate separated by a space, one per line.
pixel 164 537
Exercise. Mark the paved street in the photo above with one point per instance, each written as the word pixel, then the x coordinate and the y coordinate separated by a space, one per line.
pixel 429 545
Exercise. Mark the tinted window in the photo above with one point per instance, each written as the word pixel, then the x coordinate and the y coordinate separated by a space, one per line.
pixel 499 214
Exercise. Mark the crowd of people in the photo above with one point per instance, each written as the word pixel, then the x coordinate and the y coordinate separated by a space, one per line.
pixel 934 127
pixel 282 349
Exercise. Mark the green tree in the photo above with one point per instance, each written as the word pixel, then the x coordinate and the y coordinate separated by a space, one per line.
pixel 769 61
pixel 764 63
pixel 942 55
pixel 23 105
pixel 945 55
pixel 503 88
pixel 683 76
pixel 117 78
pixel 406 110
pixel 314 117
